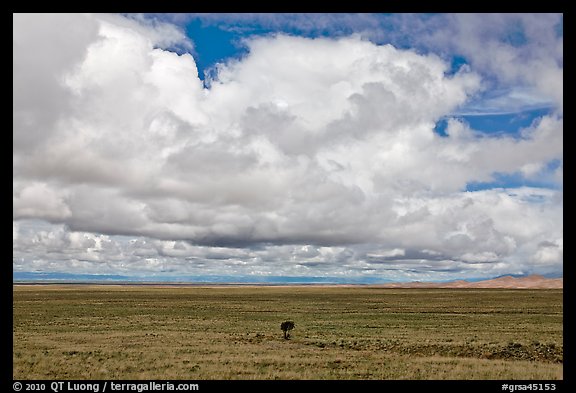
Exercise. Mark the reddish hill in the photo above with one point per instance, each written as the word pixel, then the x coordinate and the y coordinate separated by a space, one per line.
pixel 529 282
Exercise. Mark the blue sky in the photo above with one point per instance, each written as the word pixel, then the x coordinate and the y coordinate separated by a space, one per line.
pixel 342 147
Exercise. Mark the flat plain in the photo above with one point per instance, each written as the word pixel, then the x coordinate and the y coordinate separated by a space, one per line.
pixel 233 332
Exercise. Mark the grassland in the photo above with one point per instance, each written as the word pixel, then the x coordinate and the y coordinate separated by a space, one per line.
pixel 132 332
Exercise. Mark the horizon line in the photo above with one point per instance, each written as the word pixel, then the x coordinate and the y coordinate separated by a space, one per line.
pixel 86 278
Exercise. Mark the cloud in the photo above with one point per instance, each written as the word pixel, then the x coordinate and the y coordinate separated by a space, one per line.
pixel 507 101
pixel 523 49
pixel 304 155
pixel 37 93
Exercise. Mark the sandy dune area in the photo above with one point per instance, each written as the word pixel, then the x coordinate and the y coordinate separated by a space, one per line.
pixel 529 282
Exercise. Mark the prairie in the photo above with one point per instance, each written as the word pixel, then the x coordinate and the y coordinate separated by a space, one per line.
pixel 233 332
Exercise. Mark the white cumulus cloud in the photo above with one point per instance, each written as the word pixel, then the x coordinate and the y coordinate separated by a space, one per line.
pixel 305 156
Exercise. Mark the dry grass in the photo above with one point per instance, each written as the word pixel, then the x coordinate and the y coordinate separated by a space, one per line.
pixel 131 332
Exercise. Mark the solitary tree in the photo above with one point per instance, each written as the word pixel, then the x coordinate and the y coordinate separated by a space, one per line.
pixel 287 326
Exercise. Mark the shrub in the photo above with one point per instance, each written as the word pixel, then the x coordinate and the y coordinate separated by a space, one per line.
pixel 286 326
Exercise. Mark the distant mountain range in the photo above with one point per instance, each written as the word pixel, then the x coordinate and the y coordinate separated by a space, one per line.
pixel 533 281
pixel 207 279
